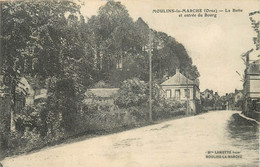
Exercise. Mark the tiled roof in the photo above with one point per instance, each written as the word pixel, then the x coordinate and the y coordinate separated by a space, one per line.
pixel 178 79
pixel 103 92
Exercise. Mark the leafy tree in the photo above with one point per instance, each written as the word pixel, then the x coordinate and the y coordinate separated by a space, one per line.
pixel 46 39
pixel 120 48
pixel 133 92
pixel 255 26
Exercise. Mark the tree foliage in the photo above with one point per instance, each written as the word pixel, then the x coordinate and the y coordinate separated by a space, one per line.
pixel 133 92
pixel 255 25
pixel 52 42
pixel 120 47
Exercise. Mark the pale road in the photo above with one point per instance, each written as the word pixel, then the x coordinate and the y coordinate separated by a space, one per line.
pixel 181 142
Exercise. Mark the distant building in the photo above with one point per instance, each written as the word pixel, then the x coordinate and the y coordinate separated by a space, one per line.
pixel 229 101
pixel 211 100
pixel 207 94
pixel 238 99
pixel 25 89
pixel 101 94
pixel 28 92
pixel 180 88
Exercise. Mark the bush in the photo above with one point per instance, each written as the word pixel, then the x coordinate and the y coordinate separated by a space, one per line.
pixel 169 110
pixel 140 113
pixel 59 112
pixel 199 107
pixel 101 84
pixel 24 142
pixel 160 113
pixel 28 117
pixel 98 115
pixel 31 140
pixel 133 92
pixel 3 138
pixel 174 105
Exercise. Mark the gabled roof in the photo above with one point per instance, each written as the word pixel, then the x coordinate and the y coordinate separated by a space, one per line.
pixel 24 86
pixel 178 79
pixel 208 91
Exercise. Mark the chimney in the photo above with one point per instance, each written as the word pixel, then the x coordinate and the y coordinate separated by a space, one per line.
pixel 177 70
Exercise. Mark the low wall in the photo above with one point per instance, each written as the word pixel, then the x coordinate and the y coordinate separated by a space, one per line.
pixel 244 118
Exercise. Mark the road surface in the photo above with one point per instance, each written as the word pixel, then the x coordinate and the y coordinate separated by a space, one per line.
pixel 181 142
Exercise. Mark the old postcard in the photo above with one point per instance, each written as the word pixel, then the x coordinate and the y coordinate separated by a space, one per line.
pixel 129 83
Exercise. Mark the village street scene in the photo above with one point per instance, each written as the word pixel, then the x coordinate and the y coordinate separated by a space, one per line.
pixel 100 83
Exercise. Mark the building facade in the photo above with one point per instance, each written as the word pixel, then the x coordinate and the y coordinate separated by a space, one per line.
pixel 180 88
pixel 251 85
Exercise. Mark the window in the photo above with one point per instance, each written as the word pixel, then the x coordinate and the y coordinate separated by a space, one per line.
pixel 168 93
pixel 187 93
pixel 177 94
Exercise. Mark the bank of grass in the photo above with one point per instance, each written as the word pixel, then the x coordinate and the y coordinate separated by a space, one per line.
pixel 31 141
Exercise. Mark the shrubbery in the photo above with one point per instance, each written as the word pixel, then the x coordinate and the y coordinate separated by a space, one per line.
pixel 133 96
pixel 28 117
pixel 47 122
pixel 169 109
pixel 62 115
pixel 133 92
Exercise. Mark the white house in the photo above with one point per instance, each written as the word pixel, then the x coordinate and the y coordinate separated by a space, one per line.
pixel 25 88
pixel 30 93
pixel 180 88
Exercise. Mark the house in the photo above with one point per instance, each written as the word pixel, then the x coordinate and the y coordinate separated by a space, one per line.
pixel 180 88
pixel 207 94
pixel 211 100
pixel 229 101
pixel 28 92
pixel 251 105
pixel 238 99
pixel 101 94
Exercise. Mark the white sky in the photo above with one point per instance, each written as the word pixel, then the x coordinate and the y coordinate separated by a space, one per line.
pixel 215 44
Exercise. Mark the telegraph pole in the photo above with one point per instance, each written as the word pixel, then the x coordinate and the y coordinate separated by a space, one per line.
pixel 187 91
pixel 150 76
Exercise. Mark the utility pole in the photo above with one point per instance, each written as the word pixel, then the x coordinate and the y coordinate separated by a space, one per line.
pixel 187 91
pixel 150 76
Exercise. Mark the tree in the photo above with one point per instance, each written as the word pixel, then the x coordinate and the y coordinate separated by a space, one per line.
pixel 40 40
pixel 133 92
pixel 120 48
pixel 255 26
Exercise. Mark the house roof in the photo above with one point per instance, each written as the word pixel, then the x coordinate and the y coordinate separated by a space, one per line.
pixel 178 79
pixel 102 92
pixel 207 91
pixel 24 86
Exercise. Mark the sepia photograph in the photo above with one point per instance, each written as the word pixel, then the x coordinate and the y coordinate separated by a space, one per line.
pixel 129 83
